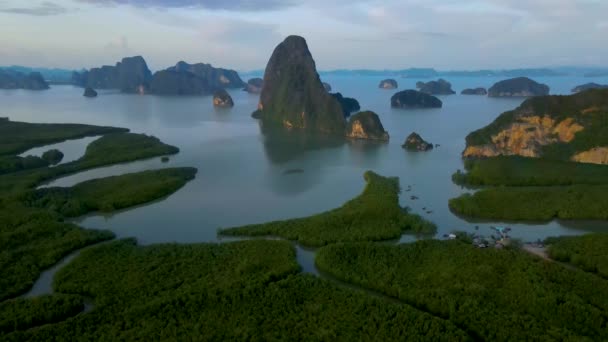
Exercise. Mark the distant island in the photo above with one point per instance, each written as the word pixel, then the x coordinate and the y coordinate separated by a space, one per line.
pixel 439 87
pixel 132 75
pixel 414 99
pixel 588 86
pixel 254 85
pixel 518 87
pixel 17 80
pixel 474 91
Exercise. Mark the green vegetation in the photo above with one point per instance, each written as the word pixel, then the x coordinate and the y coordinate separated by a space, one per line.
pixel 53 157
pixel 372 216
pixel 532 189
pixel 588 108
pixel 587 252
pixel 535 203
pixel 33 235
pixel 18 137
pixel 236 291
pixel 10 164
pixel 32 240
pixel 494 295
pixel 107 150
pixel 112 193
pixel 520 171
pixel 19 314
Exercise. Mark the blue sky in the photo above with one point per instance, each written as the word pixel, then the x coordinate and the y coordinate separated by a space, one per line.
pixel 240 34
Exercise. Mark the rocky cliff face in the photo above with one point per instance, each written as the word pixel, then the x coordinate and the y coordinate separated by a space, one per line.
pixel 17 80
pixel 557 127
pixel 518 87
pixel 222 99
pixel 293 95
pixel 526 137
pixel 216 78
pixel 167 82
pixel 131 75
pixel 366 125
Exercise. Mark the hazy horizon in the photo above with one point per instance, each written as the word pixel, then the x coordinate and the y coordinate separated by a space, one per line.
pixel 358 34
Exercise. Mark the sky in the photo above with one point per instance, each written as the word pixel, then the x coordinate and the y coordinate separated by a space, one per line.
pixel 341 34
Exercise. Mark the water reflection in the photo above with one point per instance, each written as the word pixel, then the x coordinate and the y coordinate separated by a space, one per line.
pixel 282 145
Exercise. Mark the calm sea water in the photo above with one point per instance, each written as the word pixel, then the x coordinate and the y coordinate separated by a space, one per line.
pixel 242 171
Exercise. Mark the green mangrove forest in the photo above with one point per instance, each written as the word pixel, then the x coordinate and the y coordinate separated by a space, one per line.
pixel 375 215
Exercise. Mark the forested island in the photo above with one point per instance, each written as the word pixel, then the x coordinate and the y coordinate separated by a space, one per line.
pixel 544 160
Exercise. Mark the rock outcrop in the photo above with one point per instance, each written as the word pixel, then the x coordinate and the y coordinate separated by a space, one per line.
pixel 254 86
pixel 216 78
pixel 89 92
pixel 414 142
pixel 419 84
pixel 168 82
pixel 518 87
pixel 588 86
pixel 16 80
pixel 366 125
pixel 349 105
pixel 554 127
pixel 327 86
pixel 414 99
pixel 388 84
pixel 475 91
pixel 222 99
pixel 131 75
pixel 293 95
pixel 439 87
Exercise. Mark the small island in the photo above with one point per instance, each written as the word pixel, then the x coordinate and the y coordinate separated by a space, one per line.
pixel 414 142
pixel 475 91
pixel 349 105
pixel 439 87
pixel 366 125
pixel 388 84
pixel 254 86
pixel 53 157
pixel 518 87
pixel 588 86
pixel 414 99
pixel 89 92
pixel 222 99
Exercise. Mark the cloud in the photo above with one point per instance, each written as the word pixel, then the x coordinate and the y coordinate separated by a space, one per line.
pixel 43 9
pixel 229 5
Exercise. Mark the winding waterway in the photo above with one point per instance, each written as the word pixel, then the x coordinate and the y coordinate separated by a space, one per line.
pixel 242 174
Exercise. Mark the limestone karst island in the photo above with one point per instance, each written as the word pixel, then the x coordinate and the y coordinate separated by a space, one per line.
pixel 239 170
